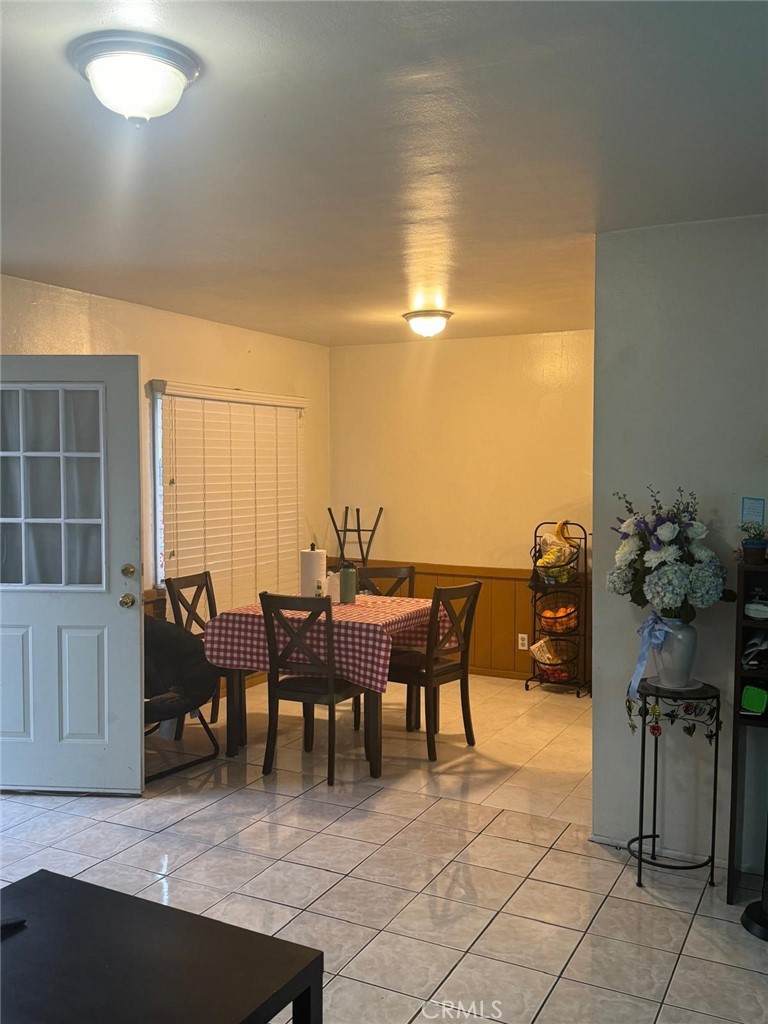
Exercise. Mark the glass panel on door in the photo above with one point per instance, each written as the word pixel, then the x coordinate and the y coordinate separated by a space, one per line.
pixel 51 486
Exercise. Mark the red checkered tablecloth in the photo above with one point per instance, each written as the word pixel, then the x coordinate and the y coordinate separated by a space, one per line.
pixel 362 635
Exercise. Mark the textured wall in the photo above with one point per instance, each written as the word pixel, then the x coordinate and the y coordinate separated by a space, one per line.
pixel 39 319
pixel 466 444
pixel 681 378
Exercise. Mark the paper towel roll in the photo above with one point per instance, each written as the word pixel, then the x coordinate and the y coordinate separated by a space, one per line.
pixel 312 570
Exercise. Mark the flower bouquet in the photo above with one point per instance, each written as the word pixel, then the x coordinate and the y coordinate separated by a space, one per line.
pixel 662 561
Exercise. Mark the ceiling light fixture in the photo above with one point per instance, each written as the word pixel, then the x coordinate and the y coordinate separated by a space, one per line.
pixel 134 74
pixel 428 322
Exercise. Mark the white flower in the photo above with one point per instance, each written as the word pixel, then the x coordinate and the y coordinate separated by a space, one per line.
pixel 701 552
pixel 697 530
pixel 667 553
pixel 627 552
pixel 667 532
pixel 629 527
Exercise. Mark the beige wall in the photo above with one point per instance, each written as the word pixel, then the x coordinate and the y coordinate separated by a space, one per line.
pixel 39 319
pixel 467 444
pixel 681 377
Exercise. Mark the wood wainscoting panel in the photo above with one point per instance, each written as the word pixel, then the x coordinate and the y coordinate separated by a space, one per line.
pixel 503 611
pixel 523 624
pixel 502 616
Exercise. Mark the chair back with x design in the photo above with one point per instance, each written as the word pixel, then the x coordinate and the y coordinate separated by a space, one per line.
pixel 186 594
pixel 401 578
pixel 459 604
pixel 300 644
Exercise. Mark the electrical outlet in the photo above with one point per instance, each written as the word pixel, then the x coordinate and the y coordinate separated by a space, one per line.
pixel 522 641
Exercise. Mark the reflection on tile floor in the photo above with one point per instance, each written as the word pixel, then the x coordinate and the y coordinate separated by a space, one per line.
pixel 469 881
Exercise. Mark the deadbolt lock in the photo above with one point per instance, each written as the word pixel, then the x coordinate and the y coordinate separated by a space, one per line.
pixel 128 569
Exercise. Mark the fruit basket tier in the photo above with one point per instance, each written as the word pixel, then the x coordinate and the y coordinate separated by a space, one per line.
pixel 565 666
pixel 564 570
pixel 557 612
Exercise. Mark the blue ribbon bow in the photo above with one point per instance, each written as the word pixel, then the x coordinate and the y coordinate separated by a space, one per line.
pixel 652 634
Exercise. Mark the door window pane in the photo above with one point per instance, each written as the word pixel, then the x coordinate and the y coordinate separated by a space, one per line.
pixel 81 421
pixel 43 487
pixel 10 553
pixel 10 487
pixel 10 434
pixel 82 488
pixel 43 553
pixel 83 554
pixel 41 421
pixel 41 478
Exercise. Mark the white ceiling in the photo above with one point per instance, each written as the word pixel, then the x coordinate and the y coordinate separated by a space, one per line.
pixel 340 163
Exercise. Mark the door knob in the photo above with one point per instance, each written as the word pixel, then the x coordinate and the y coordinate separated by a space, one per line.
pixel 127 601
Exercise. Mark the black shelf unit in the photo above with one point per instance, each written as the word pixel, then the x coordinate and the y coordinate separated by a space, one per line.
pixel 562 586
pixel 750 578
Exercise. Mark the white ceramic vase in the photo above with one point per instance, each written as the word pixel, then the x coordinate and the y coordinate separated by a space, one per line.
pixel 674 659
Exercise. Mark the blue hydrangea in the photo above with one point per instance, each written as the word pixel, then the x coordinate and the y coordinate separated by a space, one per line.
pixel 666 586
pixel 619 581
pixel 705 586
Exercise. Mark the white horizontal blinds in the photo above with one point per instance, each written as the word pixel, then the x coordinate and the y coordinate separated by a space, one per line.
pixel 244 538
pixel 288 499
pixel 232 495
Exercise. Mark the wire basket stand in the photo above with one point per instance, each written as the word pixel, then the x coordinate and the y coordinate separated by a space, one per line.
pixel 560 613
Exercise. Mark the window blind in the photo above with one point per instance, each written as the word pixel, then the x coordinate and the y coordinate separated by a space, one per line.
pixel 230 494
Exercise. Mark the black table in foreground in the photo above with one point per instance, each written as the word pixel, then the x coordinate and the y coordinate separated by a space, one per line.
pixel 88 954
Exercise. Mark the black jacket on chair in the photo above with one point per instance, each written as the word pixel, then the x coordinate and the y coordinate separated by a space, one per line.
pixel 178 678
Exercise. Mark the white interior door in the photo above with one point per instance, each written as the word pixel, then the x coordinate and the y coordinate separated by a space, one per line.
pixel 71 665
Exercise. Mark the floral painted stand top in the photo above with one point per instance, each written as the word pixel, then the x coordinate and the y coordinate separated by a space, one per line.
pixel 696 706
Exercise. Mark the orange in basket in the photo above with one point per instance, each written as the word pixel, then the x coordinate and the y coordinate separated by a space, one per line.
pixel 559 620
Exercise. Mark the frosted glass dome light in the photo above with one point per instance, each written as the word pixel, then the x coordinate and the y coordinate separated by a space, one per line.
pixel 428 322
pixel 136 75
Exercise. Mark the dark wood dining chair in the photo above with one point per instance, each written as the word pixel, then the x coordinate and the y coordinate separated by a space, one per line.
pixel 387 580
pixel 298 672
pixel 186 594
pixel 445 659
pixel 383 581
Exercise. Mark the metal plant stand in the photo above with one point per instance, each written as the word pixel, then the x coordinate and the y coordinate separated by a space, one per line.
pixel 702 693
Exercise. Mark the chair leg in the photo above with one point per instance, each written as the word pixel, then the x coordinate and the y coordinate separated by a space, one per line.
pixel 243 711
pixel 436 699
pixel 356 713
pixel 331 744
pixel 366 736
pixel 466 713
pixel 413 708
pixel 215 700
pixel 269 752
pixel 179 729
pixel 197 760
pixel 429 714
pixel 309 727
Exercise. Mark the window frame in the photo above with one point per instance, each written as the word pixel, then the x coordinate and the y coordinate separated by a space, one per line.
pixel 160 389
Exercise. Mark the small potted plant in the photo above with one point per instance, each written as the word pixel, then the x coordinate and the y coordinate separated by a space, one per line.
pixel 755 543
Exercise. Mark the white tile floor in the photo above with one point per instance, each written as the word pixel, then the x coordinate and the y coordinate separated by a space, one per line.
pixel 469 881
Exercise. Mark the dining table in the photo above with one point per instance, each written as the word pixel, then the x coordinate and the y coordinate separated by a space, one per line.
pixel 363 635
